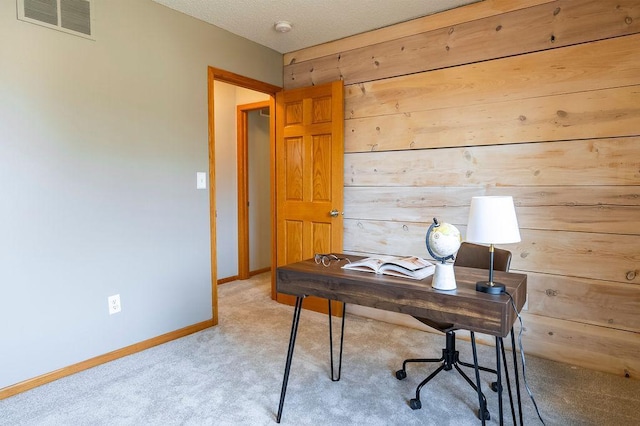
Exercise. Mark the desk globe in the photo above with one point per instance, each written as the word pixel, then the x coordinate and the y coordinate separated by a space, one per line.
pixel 443 241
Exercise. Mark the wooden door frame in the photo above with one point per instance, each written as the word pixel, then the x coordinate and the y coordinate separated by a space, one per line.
pixel 242 121
pixel 214 74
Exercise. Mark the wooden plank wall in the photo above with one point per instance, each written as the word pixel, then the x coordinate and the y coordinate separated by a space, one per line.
pixel 535 99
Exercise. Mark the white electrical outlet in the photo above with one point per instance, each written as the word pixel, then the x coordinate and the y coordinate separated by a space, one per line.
pixel 114 304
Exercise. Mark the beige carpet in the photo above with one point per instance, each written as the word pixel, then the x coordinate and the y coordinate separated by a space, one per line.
pixel 232 374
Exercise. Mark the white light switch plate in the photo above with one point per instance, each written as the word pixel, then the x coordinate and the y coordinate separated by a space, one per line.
pixel 201 180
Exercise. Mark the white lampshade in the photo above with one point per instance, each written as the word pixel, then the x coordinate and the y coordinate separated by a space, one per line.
pixel 492 220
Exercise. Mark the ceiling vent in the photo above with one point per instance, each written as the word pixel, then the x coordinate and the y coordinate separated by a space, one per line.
pixel 69 16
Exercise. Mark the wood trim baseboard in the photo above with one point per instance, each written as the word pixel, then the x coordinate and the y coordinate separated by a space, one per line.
pixel 227 279
pixel 259 271
pixel 236 277
pixel 102 359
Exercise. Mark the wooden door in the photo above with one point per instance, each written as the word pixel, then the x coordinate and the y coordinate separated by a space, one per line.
pixel 309 176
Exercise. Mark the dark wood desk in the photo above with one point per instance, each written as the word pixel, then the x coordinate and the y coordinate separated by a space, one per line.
pixel 464 307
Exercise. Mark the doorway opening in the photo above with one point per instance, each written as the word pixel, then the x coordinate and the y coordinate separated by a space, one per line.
pixel 254 221
pixel 217 75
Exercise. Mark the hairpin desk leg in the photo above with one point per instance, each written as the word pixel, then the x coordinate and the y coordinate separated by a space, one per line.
pixel 335 378
pixel 507 379
pixel 292 344
pixel 515 368
pixel 482 412
pixel 499 379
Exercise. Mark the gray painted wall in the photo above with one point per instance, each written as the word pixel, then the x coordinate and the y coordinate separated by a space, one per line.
pixel 100 142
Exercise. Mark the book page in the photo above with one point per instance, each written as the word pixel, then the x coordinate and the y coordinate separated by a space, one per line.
pixel 406 267
pixel 369 264
pixel 411 263
pixel 417 273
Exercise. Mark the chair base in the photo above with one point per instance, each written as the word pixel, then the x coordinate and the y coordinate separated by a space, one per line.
pixel 449 360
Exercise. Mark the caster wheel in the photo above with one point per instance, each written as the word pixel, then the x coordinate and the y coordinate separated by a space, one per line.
pixel 401 374
pixel 494 386
pixel 415 404
pixel 487 416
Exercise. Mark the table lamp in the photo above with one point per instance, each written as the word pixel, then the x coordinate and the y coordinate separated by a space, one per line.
pixel 492 220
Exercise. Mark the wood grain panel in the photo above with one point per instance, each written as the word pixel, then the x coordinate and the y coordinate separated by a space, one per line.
pixel 559 195
pixel 293 239
pixel 586 209
pixel 293 113
pixel 409 202
pixel 591 66
pixel 583 115
pixel 588 301
pixel 577 254
pixel 589 346
pixel 321 110
pixel 293 173
pixel 447 18
pixel 321 237
pixel 608 162
pixel 385 237
pixel 321 167
pixel 403 204
pixel 597 219
pixel 546 26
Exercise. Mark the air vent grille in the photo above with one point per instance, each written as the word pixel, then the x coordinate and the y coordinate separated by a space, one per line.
pixel 42 10
pixel 70 16
pixel 76 15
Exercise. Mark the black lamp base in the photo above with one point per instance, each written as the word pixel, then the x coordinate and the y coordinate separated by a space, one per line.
pixel 489 287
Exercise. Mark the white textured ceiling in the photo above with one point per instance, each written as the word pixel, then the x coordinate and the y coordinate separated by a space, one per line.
pixel 313 21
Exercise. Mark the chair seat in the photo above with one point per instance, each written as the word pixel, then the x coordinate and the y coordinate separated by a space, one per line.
pixel 440 326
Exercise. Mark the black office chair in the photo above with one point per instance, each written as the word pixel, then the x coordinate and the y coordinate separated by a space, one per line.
pixel 472 256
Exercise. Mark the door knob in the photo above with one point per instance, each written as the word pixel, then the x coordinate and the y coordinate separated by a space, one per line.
pixel 334 213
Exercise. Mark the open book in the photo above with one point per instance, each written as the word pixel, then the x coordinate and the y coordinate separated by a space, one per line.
pixel 406 267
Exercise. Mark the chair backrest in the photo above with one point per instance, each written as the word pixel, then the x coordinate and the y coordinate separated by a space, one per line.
pixel 477 256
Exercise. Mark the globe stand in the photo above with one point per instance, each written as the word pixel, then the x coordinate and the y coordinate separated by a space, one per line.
pixel 444 278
